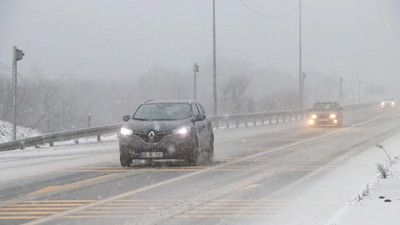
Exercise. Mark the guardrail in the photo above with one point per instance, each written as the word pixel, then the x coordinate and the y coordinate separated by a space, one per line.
pixel 60 136
pixel 237 120
pixel 233 120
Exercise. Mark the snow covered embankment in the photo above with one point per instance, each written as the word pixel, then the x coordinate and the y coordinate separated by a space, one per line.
pixel 6 130
pixel 379 201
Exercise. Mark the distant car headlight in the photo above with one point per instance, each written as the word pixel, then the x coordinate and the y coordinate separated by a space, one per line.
pixel 332 116
pixel 313 116
pixel 392 103
pixel 183 131
pixel 125 131
pixel 382 103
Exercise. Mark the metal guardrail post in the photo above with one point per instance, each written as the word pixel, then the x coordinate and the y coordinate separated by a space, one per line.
pixel 98 138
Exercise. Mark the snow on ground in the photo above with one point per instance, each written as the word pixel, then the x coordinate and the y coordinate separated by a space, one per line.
pixel 6 130
pixel 379 202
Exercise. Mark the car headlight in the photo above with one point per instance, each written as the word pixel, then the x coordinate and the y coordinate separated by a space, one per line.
pixel 332 116
pixel 181 131
pixel 392 103
pixel 313 116
pixel 382 103
pixel 125 131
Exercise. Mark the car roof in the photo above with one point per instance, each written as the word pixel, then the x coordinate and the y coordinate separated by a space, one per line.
pixel 168 101
pixel 326 103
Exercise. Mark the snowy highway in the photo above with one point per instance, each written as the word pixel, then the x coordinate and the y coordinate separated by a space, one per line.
pixel 274 174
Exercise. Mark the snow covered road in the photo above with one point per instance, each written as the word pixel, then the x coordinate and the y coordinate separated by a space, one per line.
pixel 276 174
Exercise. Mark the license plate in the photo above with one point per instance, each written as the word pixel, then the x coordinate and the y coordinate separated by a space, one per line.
pixel 152 154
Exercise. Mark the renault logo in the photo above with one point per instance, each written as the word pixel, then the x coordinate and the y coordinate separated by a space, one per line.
pixel 151 135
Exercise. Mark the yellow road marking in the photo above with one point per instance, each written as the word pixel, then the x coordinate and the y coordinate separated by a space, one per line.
pixel 38 201
pixel 20 217
pixel 33 208
pixel 27 213
pixel 48 205
pixel 100 216
pixel 70 185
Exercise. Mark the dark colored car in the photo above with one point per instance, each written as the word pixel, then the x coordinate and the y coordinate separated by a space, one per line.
pixel 388 103
pixel 167 130
pixel 325 114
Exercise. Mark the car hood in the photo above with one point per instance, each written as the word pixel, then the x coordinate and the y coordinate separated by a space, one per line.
pixel 323 112
pixel 156 125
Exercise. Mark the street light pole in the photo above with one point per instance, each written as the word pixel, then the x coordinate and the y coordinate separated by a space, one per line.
pixel 359 92
pixel 300 69
pixel 341 89
pixel 214 64
pixel 195 70
pixel 17 55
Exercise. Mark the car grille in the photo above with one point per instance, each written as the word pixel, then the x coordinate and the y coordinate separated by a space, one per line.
pixel 157 137
pixel 323 116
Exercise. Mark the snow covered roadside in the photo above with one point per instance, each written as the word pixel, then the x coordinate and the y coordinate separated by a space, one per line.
pixel 6 130
pixel 378 202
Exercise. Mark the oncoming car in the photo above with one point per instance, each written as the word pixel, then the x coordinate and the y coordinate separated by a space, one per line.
pixel 388 104
pixel 325 114
pixel 167 130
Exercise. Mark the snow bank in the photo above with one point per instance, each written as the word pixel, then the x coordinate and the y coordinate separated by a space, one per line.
pixel 381 202
pixel 6 130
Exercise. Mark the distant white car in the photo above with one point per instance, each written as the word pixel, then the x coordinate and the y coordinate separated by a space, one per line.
pixel 388 103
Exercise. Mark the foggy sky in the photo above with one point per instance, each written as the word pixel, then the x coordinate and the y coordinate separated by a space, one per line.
pixel 91 39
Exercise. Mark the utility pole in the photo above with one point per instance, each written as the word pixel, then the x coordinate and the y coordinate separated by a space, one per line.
pixel 195 70
pixel 303 77
pixel 17 55
pixel 214 63
pixel 300 69
pixel 341 90
pixel 359 92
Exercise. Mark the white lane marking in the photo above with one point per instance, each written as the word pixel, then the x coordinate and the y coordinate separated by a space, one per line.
pixel 146 188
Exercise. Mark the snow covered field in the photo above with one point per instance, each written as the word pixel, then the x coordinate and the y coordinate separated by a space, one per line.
pixel 6 130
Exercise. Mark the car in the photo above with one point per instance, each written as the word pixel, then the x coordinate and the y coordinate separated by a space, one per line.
pixel 325 114
pixel 388 103
pixel 177 129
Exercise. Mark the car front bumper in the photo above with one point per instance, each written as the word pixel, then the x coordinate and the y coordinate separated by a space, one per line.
pixel 323 122
pixel 172 147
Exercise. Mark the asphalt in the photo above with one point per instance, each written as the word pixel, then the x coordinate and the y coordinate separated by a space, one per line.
pixel 84 184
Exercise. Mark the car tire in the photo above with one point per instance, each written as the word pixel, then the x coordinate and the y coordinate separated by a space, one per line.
pixel 124 158
pixel 210 151
pixel 193 159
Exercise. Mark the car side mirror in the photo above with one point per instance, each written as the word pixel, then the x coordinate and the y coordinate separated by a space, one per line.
pixel 126 118
pixel 200 117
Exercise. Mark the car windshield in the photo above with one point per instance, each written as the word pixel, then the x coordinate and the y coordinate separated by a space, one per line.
pixel 163 111
pixel 325 106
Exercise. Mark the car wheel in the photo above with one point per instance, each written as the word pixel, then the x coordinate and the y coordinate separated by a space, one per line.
pixel 124 158
pixel 194 156
pixel 210 151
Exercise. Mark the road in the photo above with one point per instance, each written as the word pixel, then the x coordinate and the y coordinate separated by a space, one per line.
pixel 256 178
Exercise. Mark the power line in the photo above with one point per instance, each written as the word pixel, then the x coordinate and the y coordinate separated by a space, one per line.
pixel 25 80
pixel 268 16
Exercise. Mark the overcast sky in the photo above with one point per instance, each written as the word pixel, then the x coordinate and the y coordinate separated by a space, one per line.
pixel 356 39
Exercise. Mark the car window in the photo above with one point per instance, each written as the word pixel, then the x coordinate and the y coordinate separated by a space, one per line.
pixel 325 106
pixel 199 109
pixel 163 111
